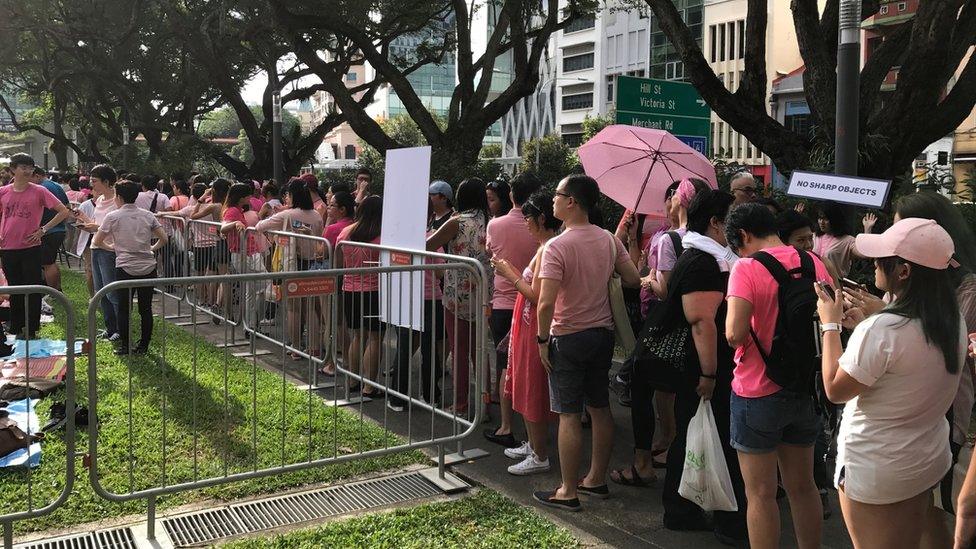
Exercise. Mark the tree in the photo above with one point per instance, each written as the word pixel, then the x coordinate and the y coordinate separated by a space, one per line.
pixel 593 124
pixel 549 158
pixel 519 34
pixel 922 108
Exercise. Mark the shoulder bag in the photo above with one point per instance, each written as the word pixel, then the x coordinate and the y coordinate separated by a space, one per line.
pixel 621 320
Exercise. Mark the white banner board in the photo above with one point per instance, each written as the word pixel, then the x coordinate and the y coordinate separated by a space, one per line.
pixel 404 226
pixel 857 191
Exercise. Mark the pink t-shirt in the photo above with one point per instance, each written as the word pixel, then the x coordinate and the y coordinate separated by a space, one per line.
pixel 256 203
pixel 509 238
pixel 234 237
pixel 331 233
pixel 354 257
pixel 21 211
pixel 580 259
pixel 750 281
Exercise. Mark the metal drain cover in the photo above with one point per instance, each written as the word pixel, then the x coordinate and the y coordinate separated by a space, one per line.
pixel 120 538
pixel 206 527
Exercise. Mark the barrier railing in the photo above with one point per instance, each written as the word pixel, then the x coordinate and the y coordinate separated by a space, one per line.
pixel 32 380
pixel 429 424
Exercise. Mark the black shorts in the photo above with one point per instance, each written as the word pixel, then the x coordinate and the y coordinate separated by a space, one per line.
pixel 579 375
pixel 362 310
pixel 221 253
pixel 203 259
pixel 50 246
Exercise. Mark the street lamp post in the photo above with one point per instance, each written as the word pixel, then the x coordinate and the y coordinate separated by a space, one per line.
pixel 276 137
pixel 847 120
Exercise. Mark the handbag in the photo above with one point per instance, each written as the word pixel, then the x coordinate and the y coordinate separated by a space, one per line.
pixel 12 437
pixel 666 336
pixel 621 320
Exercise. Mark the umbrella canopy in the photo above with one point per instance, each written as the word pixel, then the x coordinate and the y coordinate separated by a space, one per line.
pixel 634 166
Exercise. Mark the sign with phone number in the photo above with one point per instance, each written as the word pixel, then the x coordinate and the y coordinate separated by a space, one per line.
pixel 858 191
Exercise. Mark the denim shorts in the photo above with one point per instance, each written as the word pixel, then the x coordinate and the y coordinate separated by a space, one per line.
pixel 580 370
pixel 761 424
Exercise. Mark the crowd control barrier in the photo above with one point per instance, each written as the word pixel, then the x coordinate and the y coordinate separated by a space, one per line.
pixel 39 498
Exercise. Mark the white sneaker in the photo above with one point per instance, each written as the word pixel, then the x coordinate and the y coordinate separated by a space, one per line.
pixel 529 466
pixel 521 452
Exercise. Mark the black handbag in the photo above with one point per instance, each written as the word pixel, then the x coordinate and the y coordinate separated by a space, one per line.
pixel 666 336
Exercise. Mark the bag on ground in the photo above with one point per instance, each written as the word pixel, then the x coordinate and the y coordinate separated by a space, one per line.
pixel 705 480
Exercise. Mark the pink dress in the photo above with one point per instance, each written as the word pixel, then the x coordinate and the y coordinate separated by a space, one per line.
pixel 526 380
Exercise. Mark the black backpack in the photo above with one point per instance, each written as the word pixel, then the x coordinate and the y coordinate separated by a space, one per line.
pixel 792 361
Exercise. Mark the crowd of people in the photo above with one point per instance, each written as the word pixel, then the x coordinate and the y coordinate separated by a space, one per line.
pixel 735 299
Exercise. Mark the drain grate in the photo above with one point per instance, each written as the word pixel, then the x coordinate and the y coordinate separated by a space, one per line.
pixel 120 538
pixel 209 526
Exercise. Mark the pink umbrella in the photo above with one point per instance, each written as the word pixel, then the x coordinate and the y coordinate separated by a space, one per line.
pixel 634 166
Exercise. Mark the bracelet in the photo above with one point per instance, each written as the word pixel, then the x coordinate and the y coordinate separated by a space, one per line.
pixel 830 327
pixel 708 376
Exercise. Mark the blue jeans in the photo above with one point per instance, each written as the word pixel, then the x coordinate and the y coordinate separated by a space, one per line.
pixel 759 425
pixel 103 274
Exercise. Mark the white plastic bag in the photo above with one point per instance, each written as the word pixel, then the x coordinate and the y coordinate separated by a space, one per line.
pixel 705 479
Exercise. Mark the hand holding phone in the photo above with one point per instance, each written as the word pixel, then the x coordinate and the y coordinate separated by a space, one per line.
pixel 826 289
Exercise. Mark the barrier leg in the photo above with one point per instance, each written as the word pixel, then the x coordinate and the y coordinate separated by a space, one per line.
pixel 151 518
pixel 8 535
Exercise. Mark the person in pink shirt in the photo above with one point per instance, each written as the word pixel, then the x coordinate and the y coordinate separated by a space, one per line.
pixel 248 259
pixel 575 335
pixel 341 208
pixel 773 428
pixel 360 293
pixel 22 204
pixel 508 238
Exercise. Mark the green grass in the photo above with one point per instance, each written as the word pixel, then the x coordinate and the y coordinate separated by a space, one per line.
pixel 208 431
pixel 483 520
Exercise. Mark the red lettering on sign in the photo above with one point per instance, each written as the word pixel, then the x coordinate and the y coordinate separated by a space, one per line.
pixel 400 258
pixel 306 287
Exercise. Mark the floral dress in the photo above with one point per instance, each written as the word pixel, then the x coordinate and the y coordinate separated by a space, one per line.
pixel 458 284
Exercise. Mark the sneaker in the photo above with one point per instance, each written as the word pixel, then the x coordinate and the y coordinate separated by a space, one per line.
pixel 548 498
pixel 46 309
pixel 114 337
pixel 522 452
pixel 58 417
pixel 529 466
pixel 393 405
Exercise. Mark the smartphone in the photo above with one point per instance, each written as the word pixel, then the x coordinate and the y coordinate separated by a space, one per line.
pixel 848 283
pixel 827 289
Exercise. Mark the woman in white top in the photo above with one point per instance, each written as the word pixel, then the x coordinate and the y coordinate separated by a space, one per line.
pixel 898 378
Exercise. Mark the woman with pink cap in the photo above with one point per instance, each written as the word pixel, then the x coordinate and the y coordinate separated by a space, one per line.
pixel 898 377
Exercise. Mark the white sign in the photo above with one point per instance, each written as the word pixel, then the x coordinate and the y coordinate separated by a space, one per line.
pixel 858 191
pixel 404 226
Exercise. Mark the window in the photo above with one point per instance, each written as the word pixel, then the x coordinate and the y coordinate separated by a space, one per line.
pixel 583 23
pixel 351 77
pixel 720 140
pixel 883 10
pixel 798 124
pixel 350 152
pixel 902 6
pixel 578 62
pixel 610 78
pixel 738 145
pixel 721 42
pixel 711 42
pixel 578 101
pixel 674 70
pixel 335 151
pixel 721 79
pixel 573 139
pixel 742 39
pixel 731 41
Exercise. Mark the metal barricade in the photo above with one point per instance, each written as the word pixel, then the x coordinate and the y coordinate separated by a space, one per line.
pixel 239 453
pixel 270 324
pixel 31 508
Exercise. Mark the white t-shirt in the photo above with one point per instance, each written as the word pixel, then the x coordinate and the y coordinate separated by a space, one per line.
pixel 893 441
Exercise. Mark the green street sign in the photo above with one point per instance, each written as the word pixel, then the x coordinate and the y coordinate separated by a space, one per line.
pixel 666 105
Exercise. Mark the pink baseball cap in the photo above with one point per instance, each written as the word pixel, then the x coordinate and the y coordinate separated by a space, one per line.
pixel 921 241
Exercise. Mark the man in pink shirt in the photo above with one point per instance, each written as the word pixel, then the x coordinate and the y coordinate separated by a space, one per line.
pixel 22 204
pixel 576 337
pixel 508 238
pixel 772 428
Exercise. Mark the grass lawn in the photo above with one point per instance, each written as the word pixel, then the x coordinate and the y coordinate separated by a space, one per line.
pixel 208 429
pixel 486 519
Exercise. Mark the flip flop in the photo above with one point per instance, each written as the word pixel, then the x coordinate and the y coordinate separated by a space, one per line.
pixel 635 481
pixel 658 464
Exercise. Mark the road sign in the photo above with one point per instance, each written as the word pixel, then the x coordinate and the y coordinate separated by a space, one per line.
pixel 667 105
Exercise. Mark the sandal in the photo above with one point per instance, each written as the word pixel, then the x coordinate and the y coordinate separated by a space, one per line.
pixel 659 464
pixel 376 394
pixel 617 476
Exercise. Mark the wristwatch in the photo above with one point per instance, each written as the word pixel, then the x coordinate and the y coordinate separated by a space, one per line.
pixel 542 340
pixel 830 327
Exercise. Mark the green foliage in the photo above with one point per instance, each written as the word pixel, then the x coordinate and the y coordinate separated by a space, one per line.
pixel 485 519
pixel 593 124
pixel 549 158
pixel 209 421
pixel 492 150
pixel 224 122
